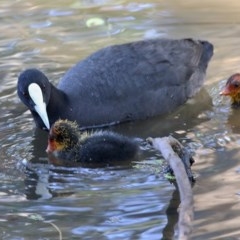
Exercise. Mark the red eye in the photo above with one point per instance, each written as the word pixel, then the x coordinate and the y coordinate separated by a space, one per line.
pixel 25 94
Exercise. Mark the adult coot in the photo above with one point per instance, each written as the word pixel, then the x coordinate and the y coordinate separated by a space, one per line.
pixel 119 83
pixel 232 89
pixel 69 144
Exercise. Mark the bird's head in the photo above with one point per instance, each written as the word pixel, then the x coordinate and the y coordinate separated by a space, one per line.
pixel 232 89
pixel 63 136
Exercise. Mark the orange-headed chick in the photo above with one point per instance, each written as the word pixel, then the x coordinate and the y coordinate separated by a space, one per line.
pixel 66 142
pixel 232 89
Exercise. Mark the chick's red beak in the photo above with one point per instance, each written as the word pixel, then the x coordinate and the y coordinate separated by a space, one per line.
pixel 226 91
pixel 51 147
pixel 232 87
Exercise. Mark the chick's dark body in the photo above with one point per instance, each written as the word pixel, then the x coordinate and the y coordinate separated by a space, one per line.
pixel 69 144
pixel 105 148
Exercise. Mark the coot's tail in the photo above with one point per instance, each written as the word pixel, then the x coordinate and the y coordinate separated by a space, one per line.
pixel 203 54
pixel 206 54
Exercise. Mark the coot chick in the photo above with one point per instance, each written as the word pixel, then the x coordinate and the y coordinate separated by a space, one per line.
pixel 232 89
pixel 119 83
pixel 67 143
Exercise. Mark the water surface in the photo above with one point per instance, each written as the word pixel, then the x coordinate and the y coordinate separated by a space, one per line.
pixel 123 202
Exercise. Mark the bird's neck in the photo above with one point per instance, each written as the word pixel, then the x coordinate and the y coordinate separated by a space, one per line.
pixel 57 105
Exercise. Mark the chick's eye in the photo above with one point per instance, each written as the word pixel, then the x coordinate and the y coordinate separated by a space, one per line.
pixel 236 85
pixel 60 138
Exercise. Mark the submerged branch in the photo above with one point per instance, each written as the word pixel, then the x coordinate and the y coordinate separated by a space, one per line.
pixel 172 150
pixel 56 227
